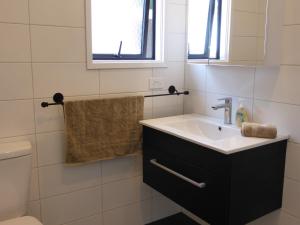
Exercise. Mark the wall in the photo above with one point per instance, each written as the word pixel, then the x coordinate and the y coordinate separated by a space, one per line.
pixel 42 51
pixel 270 93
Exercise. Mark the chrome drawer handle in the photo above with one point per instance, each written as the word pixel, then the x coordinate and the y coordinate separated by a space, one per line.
pixel 199 185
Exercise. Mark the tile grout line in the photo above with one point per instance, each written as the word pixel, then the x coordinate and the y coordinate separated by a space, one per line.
pixel 81 218
pixel 253 93
pixel 34 112
pixel 41 25
pixel 101 191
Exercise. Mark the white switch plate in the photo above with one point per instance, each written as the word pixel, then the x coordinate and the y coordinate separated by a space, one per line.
pixel 156 83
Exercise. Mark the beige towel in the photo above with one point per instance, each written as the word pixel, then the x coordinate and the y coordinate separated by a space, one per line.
pixel 258 130
pixel 103 128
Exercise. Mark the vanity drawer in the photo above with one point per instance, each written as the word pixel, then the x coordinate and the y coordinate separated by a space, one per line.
pixel 232 189
pixel 194 188
pixel 188 152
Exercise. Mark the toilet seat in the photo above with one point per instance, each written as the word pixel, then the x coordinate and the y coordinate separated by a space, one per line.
pixel 26 220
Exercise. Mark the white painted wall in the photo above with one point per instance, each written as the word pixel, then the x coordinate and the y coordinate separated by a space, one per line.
pixel 42 51
pixel 270 93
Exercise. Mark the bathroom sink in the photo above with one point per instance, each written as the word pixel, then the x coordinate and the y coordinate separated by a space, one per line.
pixel 208 132
pixel 205 129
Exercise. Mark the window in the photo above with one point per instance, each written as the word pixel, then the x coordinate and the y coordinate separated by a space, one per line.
pixel 124 32
pixel 204 29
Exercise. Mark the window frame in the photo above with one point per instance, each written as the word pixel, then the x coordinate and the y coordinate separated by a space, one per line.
pixel 159 58
pixel 211 14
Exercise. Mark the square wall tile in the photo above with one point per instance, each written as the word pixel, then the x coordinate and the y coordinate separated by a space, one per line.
pixel 175 18
pixel 175 47
pixel 274 35
pixel 163 207
pixel 60 179
pixel 69 207
pixel 58 12
pixel 284 116
pixel 16 81
pixel 195 102
pixel 48 119
pixel 34 209
pixel 14 123
pixel 261 29
pixel 177 1
pixel 120 168
pixel 57 44
pixel 172 75
pixel 231 80
pixel 243 49
pixel 245 5
pixel 124 80
pixel 195 77
pixel 67 78
pixel 292 166
pixel 291 12
pixel 291 201
pixel 262 6
pixel 167 105
pixel 92 220
pixel 14 11
pixel 133 214
pixel 51 148
pixel 244 23
pixel 124 192
pixel 14 43
pixel 290 45
pixel 34 186
pixel 278 84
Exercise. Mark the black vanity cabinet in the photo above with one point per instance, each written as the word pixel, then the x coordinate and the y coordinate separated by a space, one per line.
pixel 222 189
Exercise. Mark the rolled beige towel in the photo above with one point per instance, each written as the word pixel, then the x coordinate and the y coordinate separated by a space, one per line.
pixel 258 130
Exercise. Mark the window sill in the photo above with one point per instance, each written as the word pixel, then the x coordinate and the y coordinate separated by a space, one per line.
pixel 208 61
pixel 198 61
pixel 125 64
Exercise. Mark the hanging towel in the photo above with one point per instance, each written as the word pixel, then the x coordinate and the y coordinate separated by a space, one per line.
pixel 102 129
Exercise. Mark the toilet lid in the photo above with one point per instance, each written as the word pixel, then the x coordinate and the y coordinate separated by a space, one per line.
pixel 26 220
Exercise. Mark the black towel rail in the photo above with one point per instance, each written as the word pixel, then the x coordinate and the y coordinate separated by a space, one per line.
pixel 58 98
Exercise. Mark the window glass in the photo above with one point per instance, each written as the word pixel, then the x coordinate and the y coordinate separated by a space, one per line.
pixel 197 25
pixel 204 28
pixel 122 29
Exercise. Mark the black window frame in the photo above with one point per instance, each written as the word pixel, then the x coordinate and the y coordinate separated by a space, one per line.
pixel 211 14
pixel 144 42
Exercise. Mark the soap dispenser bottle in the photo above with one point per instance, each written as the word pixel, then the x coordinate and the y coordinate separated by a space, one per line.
pixel 241 115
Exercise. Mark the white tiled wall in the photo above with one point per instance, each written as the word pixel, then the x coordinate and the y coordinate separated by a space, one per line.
pixel 43 51
pixel 271 95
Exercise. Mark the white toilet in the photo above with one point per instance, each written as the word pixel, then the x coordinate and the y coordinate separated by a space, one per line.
pixel 15 171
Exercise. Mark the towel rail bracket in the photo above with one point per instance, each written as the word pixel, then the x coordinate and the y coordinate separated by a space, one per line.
pixel 58 98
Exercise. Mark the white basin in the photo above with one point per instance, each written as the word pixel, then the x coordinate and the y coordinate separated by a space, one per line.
pixel 208 132
pixel 205 129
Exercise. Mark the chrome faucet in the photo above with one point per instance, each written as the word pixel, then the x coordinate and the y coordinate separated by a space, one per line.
pixel 227 109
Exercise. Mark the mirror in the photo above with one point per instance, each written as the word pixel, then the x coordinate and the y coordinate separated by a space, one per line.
pixel 229 31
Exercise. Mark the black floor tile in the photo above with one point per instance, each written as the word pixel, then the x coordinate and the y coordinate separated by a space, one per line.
pixel 177 219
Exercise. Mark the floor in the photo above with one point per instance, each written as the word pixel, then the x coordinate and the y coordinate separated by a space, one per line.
pixel 177 219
